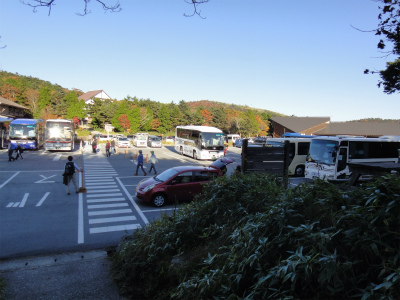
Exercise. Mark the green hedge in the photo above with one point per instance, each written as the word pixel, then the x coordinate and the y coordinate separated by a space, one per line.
pixel 247 237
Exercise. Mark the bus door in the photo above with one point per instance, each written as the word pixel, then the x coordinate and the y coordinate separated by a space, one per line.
pixel 341 163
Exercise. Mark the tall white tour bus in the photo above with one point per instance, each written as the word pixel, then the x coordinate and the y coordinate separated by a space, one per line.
pixel 140 139
pixel 199 142
pixel 328 156
pixel 298 150
pixel 59 135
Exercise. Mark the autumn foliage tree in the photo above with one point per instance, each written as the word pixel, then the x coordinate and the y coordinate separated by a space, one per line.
pixel 207 116
pixel 124 122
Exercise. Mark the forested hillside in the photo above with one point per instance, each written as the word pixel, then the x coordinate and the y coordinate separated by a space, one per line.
pixel 47 100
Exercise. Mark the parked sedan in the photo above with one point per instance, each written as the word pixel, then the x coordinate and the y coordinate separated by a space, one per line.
pixel 179 183
pixel 239 143
pixel 123 142
pixel 154 142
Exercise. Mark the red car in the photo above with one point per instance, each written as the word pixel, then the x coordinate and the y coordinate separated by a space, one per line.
pixel 179 183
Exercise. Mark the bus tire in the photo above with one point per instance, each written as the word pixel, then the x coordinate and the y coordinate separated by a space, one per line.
pixel 158 200
pixel 299 171
pixel 181 150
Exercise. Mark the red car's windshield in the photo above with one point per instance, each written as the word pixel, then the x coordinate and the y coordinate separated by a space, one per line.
pixel 167 174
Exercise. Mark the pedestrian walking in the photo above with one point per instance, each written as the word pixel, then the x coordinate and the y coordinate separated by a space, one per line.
pixel 11 148
pixel 153 160
pixel 112 148
pixel 108 145
pixel 19 151
pixel 140 163
pixel 90 139
pixel 94 145
pixel 69 174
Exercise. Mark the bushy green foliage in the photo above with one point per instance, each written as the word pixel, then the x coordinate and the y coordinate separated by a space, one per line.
pixel 247 237
pixel 2 288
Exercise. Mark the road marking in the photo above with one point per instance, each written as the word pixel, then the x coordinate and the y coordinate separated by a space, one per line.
pixel 107 205
pixel 81 234
pixel 110 220
pixel 23 202
pixel 99 190
pixel 114 228
pixel 133 202
pixel 110 212
pixel 106 200
pixel 104 195
pixel 57 157
pixel 43 198
pixel 9 179
pixel 106 183
pixel 44 178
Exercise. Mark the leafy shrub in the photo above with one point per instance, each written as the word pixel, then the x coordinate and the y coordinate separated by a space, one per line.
pixel 246 237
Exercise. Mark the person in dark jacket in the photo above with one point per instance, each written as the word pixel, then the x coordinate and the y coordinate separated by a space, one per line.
pixel 94 145
pixel 140 163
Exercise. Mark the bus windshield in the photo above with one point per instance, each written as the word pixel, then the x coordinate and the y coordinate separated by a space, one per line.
pixel 322 151
pixel 58 131
pixel 212 139
pixel 22 131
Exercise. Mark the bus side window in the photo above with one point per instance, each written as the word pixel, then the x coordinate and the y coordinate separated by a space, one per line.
pixel 342 159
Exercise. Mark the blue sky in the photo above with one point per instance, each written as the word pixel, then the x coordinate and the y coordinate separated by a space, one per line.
pixel 295 57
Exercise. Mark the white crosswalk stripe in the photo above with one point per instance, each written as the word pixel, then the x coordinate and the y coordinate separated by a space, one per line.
pixel 107 205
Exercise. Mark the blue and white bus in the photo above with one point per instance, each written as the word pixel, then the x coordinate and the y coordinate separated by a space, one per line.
pixel 29 133
pixel 199 142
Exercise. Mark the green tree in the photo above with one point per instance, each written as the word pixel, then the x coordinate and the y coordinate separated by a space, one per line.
pixel 389 29
pixel 134 119
pixel 76 108
pixel 165 120
pixel 44 97
pixel 249 124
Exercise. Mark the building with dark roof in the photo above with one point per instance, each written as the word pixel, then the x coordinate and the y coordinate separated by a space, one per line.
pixel 89 96
pixel 303 125
pixel 323 126
pixel 366 129
pixel 10 109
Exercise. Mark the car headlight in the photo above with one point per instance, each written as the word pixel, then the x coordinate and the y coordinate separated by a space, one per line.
pixel 149 187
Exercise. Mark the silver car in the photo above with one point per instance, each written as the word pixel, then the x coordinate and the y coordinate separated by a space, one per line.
pixel 154 142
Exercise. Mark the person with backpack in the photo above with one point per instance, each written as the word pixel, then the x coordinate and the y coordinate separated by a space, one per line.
pixel 69 174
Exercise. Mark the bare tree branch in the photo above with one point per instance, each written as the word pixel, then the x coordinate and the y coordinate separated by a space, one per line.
pixel 195 4
pixel 49 4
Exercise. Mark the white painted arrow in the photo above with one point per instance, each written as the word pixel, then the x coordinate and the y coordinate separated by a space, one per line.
pixel 44 178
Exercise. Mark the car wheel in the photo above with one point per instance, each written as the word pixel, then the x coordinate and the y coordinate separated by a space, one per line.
pixel 181 151
pixel 158 200
pixel 299 172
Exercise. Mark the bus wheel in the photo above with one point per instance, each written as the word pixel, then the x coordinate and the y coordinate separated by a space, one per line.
pixel 299 172
pixel 158 200
pixel 181 151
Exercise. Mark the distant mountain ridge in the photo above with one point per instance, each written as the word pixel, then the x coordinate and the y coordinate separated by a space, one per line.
pixel 19 88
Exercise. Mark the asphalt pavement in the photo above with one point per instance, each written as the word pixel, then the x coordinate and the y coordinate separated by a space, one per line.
pixel 78 275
